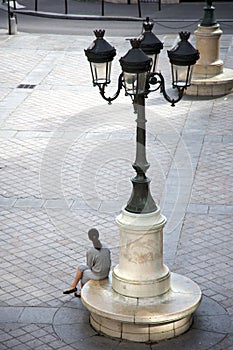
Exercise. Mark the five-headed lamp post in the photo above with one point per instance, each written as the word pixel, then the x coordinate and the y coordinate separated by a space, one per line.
pixel 130 307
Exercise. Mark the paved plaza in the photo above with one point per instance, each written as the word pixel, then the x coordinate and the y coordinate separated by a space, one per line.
pixel 65 166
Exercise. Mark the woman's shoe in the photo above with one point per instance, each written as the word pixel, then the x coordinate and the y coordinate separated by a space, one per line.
pixel 69 291
pixel 77 294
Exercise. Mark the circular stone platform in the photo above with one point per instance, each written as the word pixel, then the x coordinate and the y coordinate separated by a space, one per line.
pixel 142 319
pixel 211 325
pixel 218 85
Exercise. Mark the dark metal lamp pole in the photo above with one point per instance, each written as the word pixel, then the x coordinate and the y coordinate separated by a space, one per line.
pixel 209 17
pixel 136 66
pixel 139 78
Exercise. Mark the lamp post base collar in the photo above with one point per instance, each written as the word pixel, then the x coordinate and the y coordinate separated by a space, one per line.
pixel 141 200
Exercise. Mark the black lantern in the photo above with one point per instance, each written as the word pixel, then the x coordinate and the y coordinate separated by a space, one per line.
pixel 150 44
pixel 135 66
pixel 100 55
pixel 182 58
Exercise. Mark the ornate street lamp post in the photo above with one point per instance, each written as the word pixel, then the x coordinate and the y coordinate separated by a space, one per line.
pixel 137 78
pixel 141 276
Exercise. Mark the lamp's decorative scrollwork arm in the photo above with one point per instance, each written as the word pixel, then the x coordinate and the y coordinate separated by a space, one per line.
pixel 102 90
pixel 158 79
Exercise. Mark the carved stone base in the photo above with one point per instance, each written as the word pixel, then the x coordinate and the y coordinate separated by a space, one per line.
pixel 143 302
pixel 208 44
pixel 210 78
pixel 142 319
pixel 218 85
pixel 141 271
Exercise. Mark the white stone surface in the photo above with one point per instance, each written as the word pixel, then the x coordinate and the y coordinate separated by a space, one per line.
pixel 217 85
pixel 141 272
pixel 142 319
pixel 208 44
pixel 210 78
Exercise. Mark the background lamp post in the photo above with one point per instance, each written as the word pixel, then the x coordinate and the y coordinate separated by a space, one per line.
pixel 145 301
pixel 209 18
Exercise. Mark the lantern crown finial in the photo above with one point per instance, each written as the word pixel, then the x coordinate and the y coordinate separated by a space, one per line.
pixel 135 43
pixel 184 36
pixel 99 33
pixel 147 25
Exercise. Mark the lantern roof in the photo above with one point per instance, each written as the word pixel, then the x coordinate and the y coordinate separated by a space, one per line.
pixel 135 60
pixel 183 54
pixel 100 51
pixel 150 44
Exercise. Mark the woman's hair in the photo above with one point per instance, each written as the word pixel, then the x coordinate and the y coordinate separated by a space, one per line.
pixel 93 235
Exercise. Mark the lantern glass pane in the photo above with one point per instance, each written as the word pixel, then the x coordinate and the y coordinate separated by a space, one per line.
pixel 181 75
pixel 101 72
pixel 154 62
pixel 135 83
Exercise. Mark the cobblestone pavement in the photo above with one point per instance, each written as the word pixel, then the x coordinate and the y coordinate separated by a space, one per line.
pixel 65 163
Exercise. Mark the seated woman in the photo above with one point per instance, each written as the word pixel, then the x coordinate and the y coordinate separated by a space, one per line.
pixel 97 267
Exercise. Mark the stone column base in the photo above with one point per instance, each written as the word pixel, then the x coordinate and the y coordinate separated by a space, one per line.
pixel 142 319
pixel 218 85
pixel 141 271
pixel 208 44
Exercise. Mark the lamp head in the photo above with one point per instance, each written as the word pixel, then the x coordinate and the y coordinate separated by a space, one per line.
pixel 150 44
pixel 182 58
pixel 100 55
pixel 135 66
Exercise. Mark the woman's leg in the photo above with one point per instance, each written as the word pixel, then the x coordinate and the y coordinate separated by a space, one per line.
pixel 72 287
pixel 77 278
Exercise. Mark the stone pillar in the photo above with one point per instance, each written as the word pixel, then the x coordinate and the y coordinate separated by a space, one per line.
pixel 208 44
pixel 210 78
pixel 141 272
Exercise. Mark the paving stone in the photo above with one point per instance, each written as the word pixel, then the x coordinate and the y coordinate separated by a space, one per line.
pixel 89 204
pixel 7 202
pixel 67 316
pixel 29 203
pixel 10 315
pixel 198 208
pixel 5 134
pixel 58 203
pixel 221 209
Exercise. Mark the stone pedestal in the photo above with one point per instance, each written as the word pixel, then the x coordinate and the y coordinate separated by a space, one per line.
pixel 208 44
pixel 141 272
pixel 210 78
pixel 142 319
pixel 142 301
